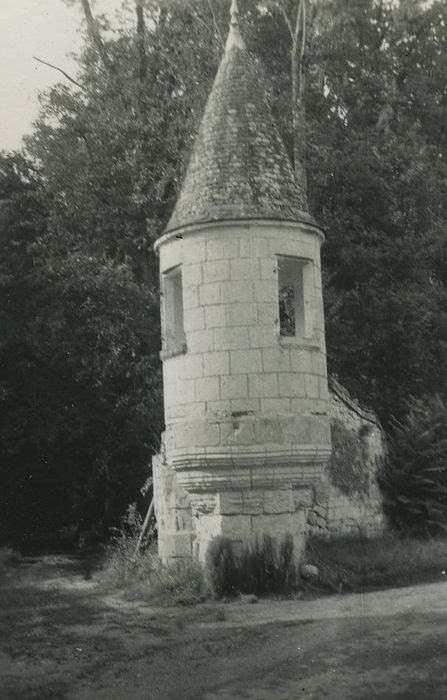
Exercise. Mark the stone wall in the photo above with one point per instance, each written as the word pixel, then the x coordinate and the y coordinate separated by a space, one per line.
pixel 188 522
pixel 348 500
pixel 238 389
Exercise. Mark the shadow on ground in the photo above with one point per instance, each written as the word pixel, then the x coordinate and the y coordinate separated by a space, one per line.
pixel 62 636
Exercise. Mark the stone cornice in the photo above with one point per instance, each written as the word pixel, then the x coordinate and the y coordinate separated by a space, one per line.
pixel 219 479
pixel 309 226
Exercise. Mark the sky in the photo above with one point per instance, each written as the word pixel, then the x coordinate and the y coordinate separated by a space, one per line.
pixel 49 30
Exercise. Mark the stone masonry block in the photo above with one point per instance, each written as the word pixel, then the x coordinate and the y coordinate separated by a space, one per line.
pixel 235 291
pixel 263 337
pixel 207 389
pixel 245 247
pixel 260 247
pixel 208 526
pixel 192 275
pixel 230 338
pixel 209 294
pixel 303 497
pixel 175 544
pixel 250 247
pixel 319 364
pixel 265 291
pixel 312 386
pixel 269 268
pixel 192 366
pixel 215 316
pixel 324 390
pixel 263 385
pixel 194 319
pixel 245 361
pixel 292 385
pixel 218 407
pixel 268 313
pixel 200 341
pixel 244 269
pixel 204 435
pixel 219 249
pixel 275 406
pixel 190 297
pixel 233 387
pixel 216 363
pixel 241 314
pixel 301 360
pixel 182 392
pixel 244 405
pixel 238 431
pixel 229 503
pixel 276 359
pixel 216 271
pixel 253 502
pixel 194 250
pixel 268 430
pixel 279 501
pixel 321 492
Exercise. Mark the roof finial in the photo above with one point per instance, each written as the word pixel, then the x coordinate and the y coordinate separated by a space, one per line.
pixel 234 37
pixel 234 12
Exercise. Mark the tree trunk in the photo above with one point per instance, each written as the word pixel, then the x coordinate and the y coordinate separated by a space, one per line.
pixel 298 119
pixel 297 28
pixel 95 36
pixel 141 40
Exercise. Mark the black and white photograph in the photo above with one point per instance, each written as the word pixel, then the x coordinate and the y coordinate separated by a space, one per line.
pixel 223 349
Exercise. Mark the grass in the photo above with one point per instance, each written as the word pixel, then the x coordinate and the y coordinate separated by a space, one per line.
pixel 345 564
pixel 355 563
pixel 144 577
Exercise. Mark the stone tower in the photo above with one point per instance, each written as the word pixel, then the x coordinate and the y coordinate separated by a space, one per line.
pixel 244 366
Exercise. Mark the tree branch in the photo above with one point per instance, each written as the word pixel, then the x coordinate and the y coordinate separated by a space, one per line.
pixel 286 17
pixel 92 28
pixel 300 12
pixel 50 65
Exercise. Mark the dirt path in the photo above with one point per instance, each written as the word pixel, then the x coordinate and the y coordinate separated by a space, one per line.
pixel 62 637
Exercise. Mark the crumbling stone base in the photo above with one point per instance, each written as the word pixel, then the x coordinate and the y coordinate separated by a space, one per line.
pixel 188 522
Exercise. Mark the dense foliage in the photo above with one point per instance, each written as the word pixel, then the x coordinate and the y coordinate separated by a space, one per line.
pixel 82 204
pixel 415 474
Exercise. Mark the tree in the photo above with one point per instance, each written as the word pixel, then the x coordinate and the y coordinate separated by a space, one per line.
pixel 97 182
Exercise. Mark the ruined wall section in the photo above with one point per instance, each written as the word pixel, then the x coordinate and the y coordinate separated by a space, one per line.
pixel 348 500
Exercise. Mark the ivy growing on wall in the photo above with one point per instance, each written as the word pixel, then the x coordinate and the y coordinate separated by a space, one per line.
pixel 348 468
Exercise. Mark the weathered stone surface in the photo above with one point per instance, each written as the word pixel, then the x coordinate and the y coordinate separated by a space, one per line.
pixel 309 571
pixel 230 502
pixel 175 544
pixel 239 167
pixel 279 502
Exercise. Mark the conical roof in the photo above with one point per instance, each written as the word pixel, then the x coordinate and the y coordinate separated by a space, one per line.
pixel 239 168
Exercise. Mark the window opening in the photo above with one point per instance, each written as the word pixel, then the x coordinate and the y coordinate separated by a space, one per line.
pixel 174 330
pixel 291 293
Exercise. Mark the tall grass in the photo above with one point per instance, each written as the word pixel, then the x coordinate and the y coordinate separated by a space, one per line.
pixel 143 575
pixel 355 563
pixel 260 569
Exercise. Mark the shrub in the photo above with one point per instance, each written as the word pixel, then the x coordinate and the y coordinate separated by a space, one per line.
pixel 414 478
pixel 143 575
pixel 354 563
pixel 259 569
